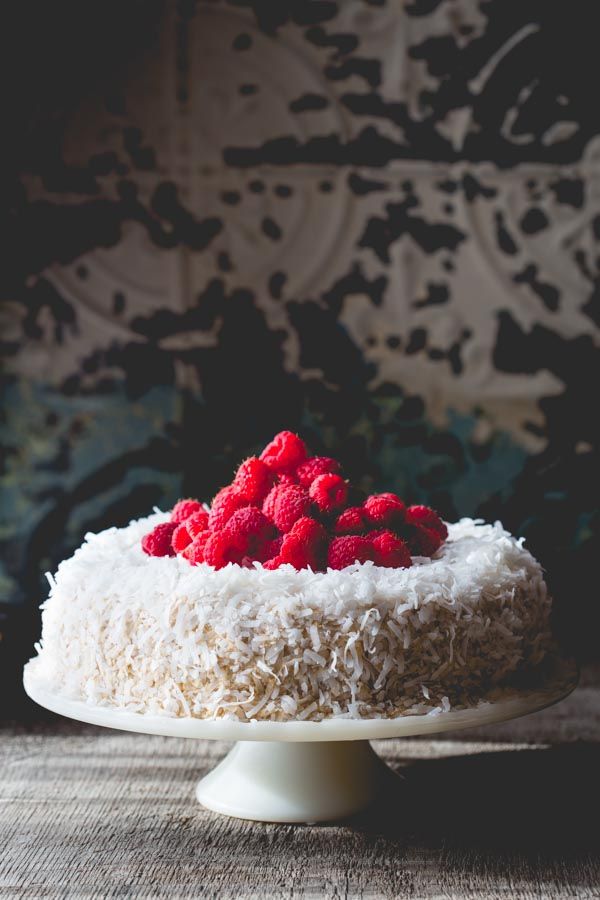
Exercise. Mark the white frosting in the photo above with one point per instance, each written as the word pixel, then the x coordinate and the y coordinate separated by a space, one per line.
pixel 157 635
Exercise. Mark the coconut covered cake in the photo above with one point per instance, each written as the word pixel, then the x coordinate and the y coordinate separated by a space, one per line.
pixel 292 597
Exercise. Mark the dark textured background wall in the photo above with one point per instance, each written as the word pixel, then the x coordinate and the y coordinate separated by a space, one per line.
pixel 373 222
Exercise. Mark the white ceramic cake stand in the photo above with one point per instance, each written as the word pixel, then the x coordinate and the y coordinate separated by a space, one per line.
pixel 302 771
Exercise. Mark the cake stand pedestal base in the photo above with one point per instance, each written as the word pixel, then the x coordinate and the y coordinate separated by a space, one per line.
pixel 275 781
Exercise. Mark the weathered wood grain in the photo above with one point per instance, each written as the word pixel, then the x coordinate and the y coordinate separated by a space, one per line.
pixel 507 811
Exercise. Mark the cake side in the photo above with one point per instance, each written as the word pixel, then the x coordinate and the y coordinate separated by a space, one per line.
pixel 155 635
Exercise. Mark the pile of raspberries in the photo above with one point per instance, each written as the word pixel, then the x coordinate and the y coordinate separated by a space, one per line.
pixel 288 507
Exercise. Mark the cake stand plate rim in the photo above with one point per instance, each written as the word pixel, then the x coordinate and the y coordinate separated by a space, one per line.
pixel 560 684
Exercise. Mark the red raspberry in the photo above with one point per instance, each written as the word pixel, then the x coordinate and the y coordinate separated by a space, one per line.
pixel 384 510
pixel 425 515
pixel 285 452
pixel 268 506
pixel 248 530
pixel 351 521
pixel 158 541
pixel 197 523
pixel 194 552
pixel 285 504
pixel 329 492
pixel 390 551
pixel 304 546
pixel 184 509
pixel 220 548
pixel 181 538
pixel 423 541
pixel 315 466
pixel 224 492
pixel 344 551
pixel 285 479
pixel 226 502
pixel 253 480
pixel 375 534
pixel 271 548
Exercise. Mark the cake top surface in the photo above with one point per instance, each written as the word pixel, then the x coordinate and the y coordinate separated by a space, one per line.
pixel 111 569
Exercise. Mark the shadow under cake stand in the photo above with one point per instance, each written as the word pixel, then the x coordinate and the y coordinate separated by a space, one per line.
pixel 304 771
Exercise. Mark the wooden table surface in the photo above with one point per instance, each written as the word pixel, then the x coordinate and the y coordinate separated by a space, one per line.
pixel 511 810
